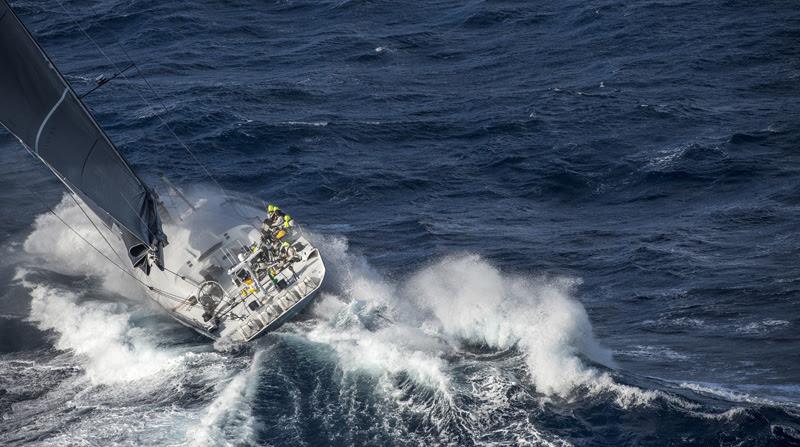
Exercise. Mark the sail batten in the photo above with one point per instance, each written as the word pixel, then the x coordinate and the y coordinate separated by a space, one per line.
pixel 40 108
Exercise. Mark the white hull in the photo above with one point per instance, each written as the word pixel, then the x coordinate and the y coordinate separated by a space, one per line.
pixel 235 284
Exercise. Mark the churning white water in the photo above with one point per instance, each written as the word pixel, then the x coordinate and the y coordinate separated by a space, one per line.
pixel 416 325
pixel 147 379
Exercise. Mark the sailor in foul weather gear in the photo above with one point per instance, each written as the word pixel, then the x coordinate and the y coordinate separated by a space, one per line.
pixel 274 214
pixel 270 225
pixel 288 222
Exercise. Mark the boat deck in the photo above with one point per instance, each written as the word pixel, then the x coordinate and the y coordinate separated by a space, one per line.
pixel 246 288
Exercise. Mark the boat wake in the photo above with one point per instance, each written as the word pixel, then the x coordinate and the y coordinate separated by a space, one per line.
pixel 123 367
pixel 117 361
pixel 456 351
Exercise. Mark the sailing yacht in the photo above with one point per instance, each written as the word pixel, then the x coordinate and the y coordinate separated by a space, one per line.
pixel 234 282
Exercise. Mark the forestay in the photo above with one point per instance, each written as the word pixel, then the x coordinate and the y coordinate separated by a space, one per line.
pixel 41 109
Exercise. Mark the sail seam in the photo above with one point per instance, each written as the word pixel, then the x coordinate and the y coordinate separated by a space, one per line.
pixel 86 160
pixel 47 118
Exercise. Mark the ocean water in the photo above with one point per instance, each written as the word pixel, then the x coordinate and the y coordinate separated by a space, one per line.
pixel 545 223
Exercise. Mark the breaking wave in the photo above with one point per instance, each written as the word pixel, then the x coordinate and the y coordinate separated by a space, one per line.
pixel 451 308
pixel 456 346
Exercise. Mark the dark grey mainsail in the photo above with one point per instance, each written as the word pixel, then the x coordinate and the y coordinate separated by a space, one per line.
pixel 39 107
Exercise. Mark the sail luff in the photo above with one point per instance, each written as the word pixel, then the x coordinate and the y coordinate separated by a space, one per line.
pixel 46 115
pixel 72 92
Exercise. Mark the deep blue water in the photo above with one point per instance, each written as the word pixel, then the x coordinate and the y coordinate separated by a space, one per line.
pixel 545 223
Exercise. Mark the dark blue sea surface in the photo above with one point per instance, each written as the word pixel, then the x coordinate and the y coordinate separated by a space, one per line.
pixel 545 223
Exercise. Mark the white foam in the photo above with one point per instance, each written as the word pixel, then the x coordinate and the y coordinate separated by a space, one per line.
pixel 356 321
pixel 59 249
pixel 228 420
pixel 653 352
pixel 717 390
pixel 126 371
pixel 385 352
pixel 99 333
pixel 307 123
pixel 415 325
pixel 472 301
pixel 762 327
pixel 124 368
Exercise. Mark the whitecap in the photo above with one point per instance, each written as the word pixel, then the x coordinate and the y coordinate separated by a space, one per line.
pixel 307 123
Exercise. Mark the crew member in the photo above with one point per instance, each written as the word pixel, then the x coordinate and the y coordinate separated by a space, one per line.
pixel 288 222
pixel 288 252
pixel 290 256
pixel 274 214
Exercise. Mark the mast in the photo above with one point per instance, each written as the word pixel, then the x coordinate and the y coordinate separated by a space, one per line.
pixel 42 110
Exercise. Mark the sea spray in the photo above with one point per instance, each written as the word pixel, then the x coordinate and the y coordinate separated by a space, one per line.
pixel 121 362
pixel 61 244
pixel 380 326
pixel 111 349
pixel 123 353
pixel 58 248
pixel 356 320
pixel 470 300
pixel 420 342
pixel 417 326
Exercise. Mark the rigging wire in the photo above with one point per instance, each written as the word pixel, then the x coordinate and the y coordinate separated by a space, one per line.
pixel 74 199
pixel 38 198
pixel 159 100
pixel 149 86
pixel 121 72
pixel 166 294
